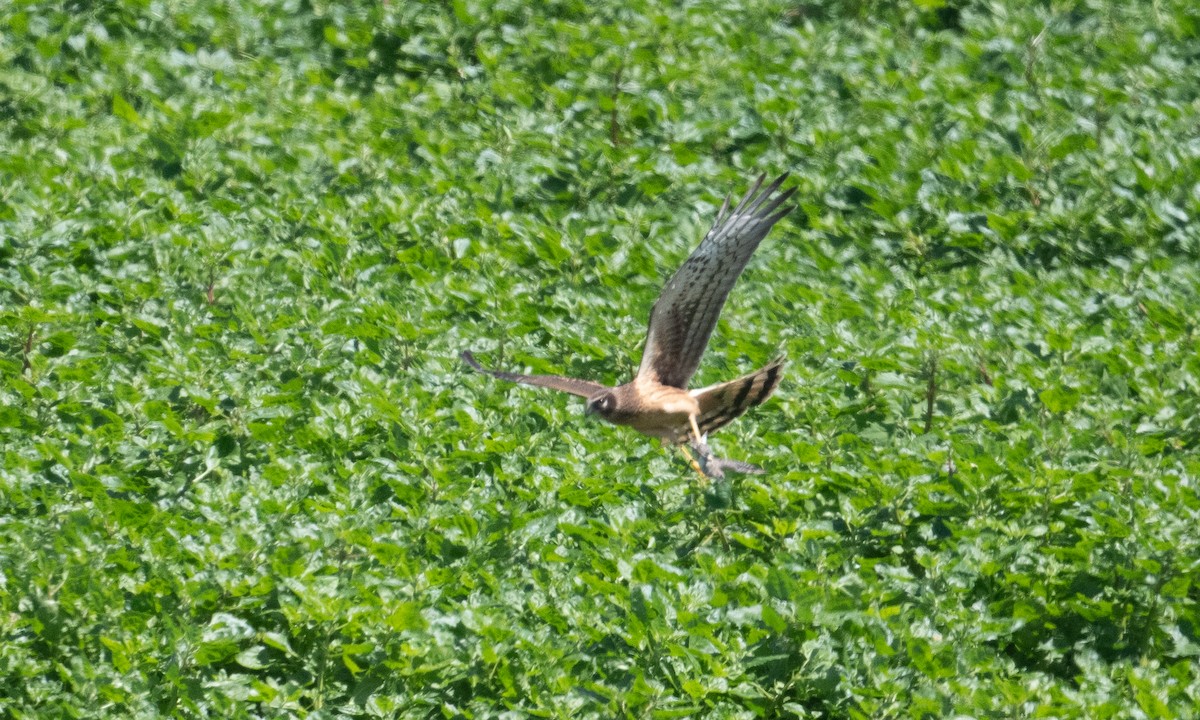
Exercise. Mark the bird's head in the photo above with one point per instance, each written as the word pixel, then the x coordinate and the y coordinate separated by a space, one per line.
pixel 603 405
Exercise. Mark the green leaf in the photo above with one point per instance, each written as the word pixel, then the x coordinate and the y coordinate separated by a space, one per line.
pixel 406 616
pixel 122 109
pixel 1059 399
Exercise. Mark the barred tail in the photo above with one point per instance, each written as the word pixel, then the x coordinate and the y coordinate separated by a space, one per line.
pixel 722 403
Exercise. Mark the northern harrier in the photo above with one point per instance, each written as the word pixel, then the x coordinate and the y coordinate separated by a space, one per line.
pixel 656 401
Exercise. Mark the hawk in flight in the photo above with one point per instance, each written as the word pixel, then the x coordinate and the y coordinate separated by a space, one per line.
pixel 657 401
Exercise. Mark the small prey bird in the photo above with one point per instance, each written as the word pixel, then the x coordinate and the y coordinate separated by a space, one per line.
pixel 657 401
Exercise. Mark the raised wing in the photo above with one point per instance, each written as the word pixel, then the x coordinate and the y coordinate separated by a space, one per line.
pixel 686 311
pixel 575 386
pixel 722 403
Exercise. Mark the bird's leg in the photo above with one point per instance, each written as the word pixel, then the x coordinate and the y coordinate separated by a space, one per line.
pixel 704 465
pixel 694 463
pixel 709 465
pixel 701 446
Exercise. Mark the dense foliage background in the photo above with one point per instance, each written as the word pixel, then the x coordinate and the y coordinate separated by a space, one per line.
pixel 246 475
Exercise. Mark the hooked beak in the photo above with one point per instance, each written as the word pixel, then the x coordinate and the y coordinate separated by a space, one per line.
pixel 589 409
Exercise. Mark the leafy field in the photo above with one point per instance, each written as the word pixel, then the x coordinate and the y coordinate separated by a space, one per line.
pixel 246 475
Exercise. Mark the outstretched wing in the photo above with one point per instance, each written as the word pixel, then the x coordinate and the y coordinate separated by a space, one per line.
pixel 722 403
pixel 686 311
pixel 575 386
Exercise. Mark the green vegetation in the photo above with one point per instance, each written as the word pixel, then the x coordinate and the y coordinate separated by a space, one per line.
pixel 245 474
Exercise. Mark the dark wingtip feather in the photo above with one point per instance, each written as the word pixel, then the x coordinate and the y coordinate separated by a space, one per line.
pixel 779 215
pixel 741 206
pixel 770 207
pixel 724 209
pixel 752 205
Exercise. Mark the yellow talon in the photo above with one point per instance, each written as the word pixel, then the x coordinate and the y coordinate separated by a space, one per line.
pixel 694 463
